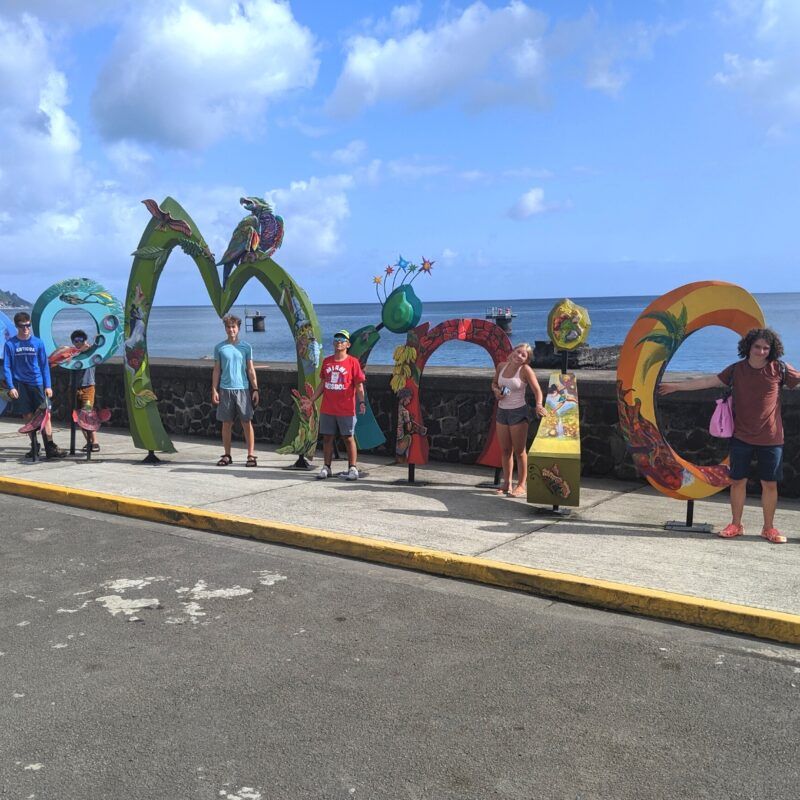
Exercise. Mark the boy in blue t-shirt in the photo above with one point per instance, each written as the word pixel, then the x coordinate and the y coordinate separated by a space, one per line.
pixel 27 375
pixel 234 389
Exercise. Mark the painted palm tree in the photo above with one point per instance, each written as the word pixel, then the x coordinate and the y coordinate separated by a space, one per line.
pixel 668 339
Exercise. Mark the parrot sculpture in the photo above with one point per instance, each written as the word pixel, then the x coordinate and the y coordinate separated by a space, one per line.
pixel 260 232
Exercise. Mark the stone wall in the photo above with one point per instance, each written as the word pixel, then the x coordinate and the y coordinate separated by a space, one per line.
pixel 457 406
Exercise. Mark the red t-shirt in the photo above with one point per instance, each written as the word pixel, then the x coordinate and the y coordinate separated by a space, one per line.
pixel 757 401
pixel 339 379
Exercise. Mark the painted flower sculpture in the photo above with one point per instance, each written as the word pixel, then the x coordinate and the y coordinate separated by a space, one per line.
pixel 568 325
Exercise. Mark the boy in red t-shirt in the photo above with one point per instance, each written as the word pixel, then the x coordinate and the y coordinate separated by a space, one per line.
pixel 342 379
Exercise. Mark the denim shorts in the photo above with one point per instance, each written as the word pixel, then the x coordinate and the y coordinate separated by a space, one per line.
pixel 514 416
pixel 331 424
pixel 768 457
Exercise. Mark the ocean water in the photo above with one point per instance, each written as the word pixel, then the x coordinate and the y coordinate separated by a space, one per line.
pixel 192 331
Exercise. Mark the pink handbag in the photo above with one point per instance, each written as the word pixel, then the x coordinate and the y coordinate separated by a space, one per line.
pixel 721 424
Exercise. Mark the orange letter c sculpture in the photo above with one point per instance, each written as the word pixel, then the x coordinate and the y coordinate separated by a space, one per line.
pixel 648 348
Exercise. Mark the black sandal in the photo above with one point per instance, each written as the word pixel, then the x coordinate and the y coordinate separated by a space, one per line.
pixel 251 461
pixel 225 461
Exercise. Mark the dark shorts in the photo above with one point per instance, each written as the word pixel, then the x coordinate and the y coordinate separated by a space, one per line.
pixel 331 424
pixel 31 396
pixel 768 457
pixel 514 416
pixel 233 403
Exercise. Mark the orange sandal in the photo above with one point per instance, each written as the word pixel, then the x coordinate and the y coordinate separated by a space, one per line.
pixel 731 531
pixel 773 536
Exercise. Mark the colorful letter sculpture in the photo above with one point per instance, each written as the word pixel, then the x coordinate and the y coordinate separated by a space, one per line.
pixel 256 237
pixel 305 442
pixel 554 458
pixel 102 307
pixel 568 325
pixel 410 360
pixel 648 348
pixel 401 310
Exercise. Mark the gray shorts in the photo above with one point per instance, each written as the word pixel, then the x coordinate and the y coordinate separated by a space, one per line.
pixel 331 424
pixel 513 416
pixel 233 403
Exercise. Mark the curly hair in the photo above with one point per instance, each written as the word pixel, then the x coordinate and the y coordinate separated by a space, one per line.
pixel 769 336
pixel 232 319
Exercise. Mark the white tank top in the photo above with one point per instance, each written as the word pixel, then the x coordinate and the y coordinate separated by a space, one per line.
pixel 516 389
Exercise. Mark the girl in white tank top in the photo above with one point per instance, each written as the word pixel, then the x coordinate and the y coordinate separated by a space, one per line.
pixel 513 415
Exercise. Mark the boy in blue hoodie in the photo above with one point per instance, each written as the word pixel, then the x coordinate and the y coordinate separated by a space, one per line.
pixel 27 376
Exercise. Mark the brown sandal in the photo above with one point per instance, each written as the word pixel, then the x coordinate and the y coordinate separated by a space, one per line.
pixel 225 461
pixel 251 461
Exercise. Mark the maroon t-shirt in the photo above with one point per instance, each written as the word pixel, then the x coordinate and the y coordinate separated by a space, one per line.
pixel 757 400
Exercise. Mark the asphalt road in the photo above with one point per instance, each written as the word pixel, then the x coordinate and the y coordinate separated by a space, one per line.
pixel 144 661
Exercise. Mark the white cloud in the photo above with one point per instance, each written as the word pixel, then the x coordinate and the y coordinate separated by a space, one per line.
pixel 352 153
pixel 769 79
pixel 60 12
pixel 306 128
pixel 415 169
pixel 39 141
pixel 602 76
pixel 531 204
pixel 400 19
pixel 484 56
pixel 528 172
pixel 403 17
pixel 186 77
pixel 128 157
pixel 315 210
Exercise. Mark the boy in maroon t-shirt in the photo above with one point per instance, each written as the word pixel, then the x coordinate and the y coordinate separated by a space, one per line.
pixel 757 428
pixel 342 379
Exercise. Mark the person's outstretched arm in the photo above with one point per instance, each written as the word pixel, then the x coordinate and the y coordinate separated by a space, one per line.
pixel 532 381
pixel 705 382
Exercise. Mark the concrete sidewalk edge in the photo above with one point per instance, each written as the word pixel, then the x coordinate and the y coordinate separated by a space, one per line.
pixel 761 623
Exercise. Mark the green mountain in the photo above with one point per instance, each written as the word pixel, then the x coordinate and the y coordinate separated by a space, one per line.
pixel 11 300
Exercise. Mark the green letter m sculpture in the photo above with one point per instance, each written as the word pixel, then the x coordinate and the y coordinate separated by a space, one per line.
pixel 171 226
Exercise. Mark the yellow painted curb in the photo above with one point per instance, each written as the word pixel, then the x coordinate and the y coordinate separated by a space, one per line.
pixel 761 623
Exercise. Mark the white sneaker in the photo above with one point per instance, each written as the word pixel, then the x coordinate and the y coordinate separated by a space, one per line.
pixel 351 474
pixel 325 472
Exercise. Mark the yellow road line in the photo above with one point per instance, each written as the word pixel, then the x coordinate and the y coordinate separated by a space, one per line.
pixel 775 625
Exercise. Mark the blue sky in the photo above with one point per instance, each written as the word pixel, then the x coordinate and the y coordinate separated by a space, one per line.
pixel 530 149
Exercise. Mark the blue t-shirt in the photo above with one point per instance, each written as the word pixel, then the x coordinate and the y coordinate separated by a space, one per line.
pixel 232 359
pixel 25 361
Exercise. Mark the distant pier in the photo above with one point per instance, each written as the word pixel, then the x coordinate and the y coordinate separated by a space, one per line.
pixel 254 321
pixel 502 316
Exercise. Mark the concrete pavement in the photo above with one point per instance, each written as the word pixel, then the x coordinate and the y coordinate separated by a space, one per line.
pixel 145 661
pixel 613 551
